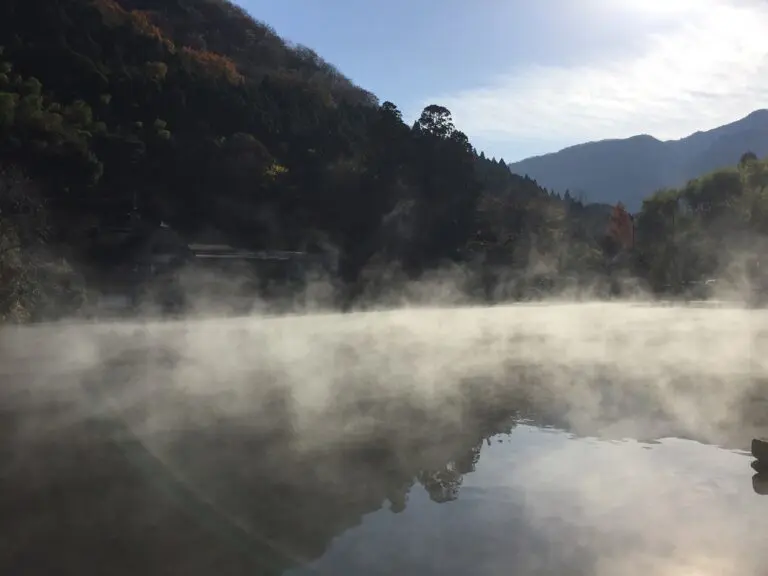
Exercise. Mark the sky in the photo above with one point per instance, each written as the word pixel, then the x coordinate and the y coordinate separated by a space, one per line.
pixel 525 77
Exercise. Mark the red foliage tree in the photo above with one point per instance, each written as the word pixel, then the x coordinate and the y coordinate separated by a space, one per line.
pixel 621 227
pixel 212 63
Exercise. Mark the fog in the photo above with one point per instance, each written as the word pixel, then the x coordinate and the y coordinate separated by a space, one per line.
pixel 609 368
pixel 394 378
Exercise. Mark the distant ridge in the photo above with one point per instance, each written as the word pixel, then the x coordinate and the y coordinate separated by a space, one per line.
pixel 629 169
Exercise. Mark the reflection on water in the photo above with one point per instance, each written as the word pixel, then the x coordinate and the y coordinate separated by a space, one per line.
pixel 501 496
pixel 760 484
pixel 545 502
pixel 499 441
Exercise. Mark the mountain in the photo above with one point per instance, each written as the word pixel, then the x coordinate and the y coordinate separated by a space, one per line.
pixel 630 169
pixel 122 114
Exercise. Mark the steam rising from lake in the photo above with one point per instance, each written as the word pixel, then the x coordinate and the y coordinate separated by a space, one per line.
pixel 334 381
pixel 605 367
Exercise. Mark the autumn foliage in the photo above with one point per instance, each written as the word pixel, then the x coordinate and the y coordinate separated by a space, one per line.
pixel 139 20
pixel 142 23
pixel 621 227
pixel 212 64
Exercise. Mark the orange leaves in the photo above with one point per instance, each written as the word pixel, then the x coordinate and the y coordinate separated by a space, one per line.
pixel 143 24
pixel 141 21
pixel 209 63
pixel 621 227
pixel 212 64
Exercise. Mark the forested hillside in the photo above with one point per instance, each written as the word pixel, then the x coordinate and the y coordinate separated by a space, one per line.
pixel 206 119
pixel 716 225
pixel 209 119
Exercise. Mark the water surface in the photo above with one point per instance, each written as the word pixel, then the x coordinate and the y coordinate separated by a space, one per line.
pixel 541 501
pixel 553 439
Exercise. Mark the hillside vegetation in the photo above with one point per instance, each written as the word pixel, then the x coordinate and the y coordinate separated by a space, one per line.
pixel 206 119
pixel 716 225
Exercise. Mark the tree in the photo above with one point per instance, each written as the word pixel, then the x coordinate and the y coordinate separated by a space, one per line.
pixel 389 109
pixel 621 227
pixel 747 158
pixel 435 121
pixel 209 119
pixel 23 230
pixel 8 102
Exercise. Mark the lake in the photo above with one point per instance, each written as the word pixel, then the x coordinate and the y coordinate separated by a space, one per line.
pixel 553 439
pixel 543 502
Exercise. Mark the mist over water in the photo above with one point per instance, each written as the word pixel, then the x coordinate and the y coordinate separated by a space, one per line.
pixel 271 436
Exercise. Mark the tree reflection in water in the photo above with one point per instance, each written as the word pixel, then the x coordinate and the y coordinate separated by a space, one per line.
pixel 232 496
pixel 243 485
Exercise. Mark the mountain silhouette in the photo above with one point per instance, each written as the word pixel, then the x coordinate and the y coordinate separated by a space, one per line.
pixel 630 169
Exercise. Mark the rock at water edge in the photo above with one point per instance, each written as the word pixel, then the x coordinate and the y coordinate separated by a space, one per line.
pixel 760 449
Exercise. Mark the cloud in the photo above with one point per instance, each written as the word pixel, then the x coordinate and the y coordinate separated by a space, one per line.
pixel 702 64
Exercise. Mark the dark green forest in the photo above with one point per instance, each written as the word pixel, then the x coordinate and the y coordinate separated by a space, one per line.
pixel 203 118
